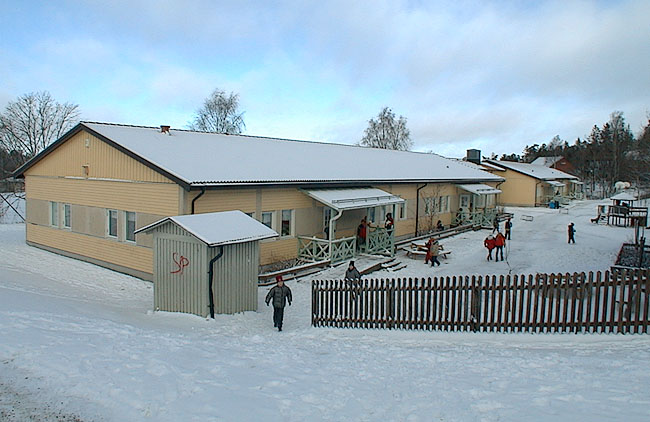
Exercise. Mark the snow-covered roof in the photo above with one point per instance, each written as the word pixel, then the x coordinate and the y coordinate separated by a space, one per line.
pixel 350 199
pixel 197 158
pixel 480 189
pixel 532 170
pixel 546 161
pixel 483 166
pixel 626 195
pixel 554 183
pixel 219 228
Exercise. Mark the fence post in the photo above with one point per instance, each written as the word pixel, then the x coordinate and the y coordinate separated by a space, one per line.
pixel 389 304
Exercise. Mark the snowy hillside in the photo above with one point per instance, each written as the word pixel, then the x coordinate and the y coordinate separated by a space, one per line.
pixel 80 342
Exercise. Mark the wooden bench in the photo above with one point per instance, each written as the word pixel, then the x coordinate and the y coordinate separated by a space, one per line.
pixel 414 253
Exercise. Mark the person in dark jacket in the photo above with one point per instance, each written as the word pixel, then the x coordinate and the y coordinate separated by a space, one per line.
pixel 352 274
pixel 280 294
pixel 439 226
pixel 390 223
pixel 508 228
pixel 571 231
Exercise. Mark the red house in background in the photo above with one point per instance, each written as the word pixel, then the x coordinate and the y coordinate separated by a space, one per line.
pixel 557 162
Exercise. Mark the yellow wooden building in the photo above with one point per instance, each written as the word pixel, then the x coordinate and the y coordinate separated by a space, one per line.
pixel 89 191
pixel 531 185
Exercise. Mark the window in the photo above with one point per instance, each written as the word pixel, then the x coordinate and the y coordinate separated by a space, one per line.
pixel 66 216
pixel 130 226
pixel 402 211
pixel 54 214
pixel 371 215
pixel 286 222
pixel 267 219
pixel 112 223
pixel 250 214
pixel 430 205
pixel 443 204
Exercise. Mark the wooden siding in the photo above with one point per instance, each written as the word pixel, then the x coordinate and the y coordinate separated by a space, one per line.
pixel 107 250
pixel 222 200
pixel 284 199
pixel 278 250
pixel 150 198
pixel 518 189
pixel 103 160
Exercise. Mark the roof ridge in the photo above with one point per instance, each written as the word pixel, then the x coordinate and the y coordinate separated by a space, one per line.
pixel 259 137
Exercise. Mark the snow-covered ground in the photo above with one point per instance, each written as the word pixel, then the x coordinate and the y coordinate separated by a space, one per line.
pixel 79 342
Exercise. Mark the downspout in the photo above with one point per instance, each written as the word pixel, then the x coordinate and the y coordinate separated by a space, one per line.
pixel 339 213
pixel 417 208
pixel 210 277
pixel 197 197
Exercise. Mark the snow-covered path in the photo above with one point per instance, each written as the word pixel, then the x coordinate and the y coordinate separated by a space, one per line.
pixel 82 340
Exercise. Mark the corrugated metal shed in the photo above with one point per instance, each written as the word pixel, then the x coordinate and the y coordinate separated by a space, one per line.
pixel 184 249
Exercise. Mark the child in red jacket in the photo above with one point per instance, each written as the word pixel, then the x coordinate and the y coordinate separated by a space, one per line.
pixel 499 242
pixel 489 244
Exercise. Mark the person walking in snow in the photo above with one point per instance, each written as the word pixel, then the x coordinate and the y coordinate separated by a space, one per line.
pixel 280 294
pixel 571 231
pixel 352 274
pixel 427 257
pixel 508 228
pixel 495 224
pixel 499 243
pixel 489 244
pixel 434 251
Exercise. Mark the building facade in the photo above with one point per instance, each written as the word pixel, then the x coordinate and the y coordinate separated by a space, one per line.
pixel 88 192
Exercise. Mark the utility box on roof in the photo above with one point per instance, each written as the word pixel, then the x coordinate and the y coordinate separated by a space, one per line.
pixel 200 256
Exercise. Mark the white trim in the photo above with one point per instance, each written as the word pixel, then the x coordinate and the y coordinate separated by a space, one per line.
pixel 108 223
pixel 54 220
pixel 63 214
pixel 126 226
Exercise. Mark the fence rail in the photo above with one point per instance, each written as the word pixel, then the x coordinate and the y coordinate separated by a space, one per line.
pixel 543 303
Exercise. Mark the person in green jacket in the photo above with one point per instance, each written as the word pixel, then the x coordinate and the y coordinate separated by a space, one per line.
pixel 280 294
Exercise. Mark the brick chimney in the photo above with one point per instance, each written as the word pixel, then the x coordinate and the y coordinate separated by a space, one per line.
pixel 164 129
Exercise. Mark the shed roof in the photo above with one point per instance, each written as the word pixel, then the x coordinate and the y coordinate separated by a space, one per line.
pixel 201 159
pixel 480 189
pixel 218 228
pixel 349 199
pixel 626 195
pixel 533 170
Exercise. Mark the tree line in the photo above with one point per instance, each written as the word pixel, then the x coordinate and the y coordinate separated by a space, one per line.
pixel 610 153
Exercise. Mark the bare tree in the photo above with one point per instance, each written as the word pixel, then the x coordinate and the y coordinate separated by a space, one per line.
pixel 33 121
pixel 220 114
pixel 387 133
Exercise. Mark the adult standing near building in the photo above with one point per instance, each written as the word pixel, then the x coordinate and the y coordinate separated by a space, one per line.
pixel 280 294
pixel 495 224
pixel 508 228
pixel 390 223
pixel 362 232
pixel 489 244
pixel 571 231
pixel 499 243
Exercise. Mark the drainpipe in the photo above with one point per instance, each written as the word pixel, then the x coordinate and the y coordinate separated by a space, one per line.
pixel 417 207
pixel 339 213
pixel 210 277
pixel 197 197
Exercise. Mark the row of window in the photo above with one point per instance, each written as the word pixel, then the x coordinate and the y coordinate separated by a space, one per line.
pixel 65 220
pixel 285 226
pixel 436 205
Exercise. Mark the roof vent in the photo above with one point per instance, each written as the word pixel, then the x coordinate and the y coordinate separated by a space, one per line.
pixel 165 129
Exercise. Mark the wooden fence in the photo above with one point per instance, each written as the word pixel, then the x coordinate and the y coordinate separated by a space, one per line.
pixel 543 303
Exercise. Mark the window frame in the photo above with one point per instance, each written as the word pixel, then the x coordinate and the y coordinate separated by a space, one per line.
pixel 66 216
pixel 271 213
pixel 126 225
pixel 291 223
pixel 108 223
pixel 54 214
pixel 402 210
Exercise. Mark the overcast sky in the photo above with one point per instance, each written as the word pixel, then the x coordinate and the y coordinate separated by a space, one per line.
pixel 492 75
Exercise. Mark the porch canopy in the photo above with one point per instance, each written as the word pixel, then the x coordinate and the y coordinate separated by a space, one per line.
pixel 480 189
pixel 554 183
pixel 354 198
pixel 577 182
